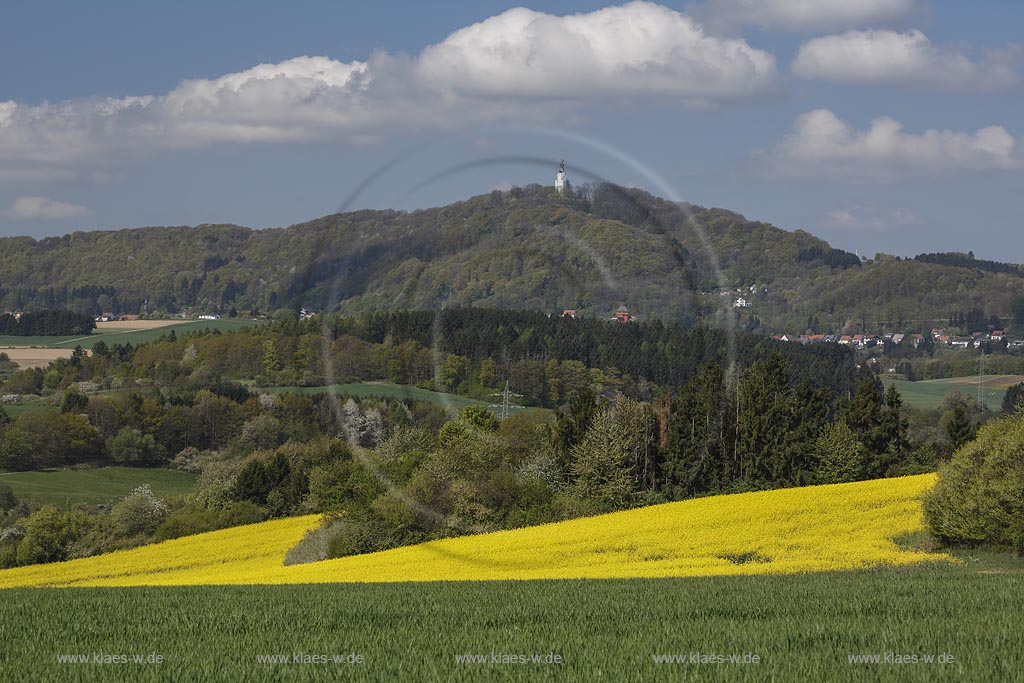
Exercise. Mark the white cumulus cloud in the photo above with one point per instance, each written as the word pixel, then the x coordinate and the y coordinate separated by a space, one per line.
pixel 519 65
pixel 822 144
pixel 640 48
pixel 882 56
pixel 801 15
pixel 42 208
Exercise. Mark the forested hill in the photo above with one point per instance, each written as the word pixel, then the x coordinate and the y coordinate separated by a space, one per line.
pixel 593 250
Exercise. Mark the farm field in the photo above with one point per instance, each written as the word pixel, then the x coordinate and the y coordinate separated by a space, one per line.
pixel 35 357
pixel 122 332
pixel 802 627
pixel 812 529
pixel 94 486
pixel 930 392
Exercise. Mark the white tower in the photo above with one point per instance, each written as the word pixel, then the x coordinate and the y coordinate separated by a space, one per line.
pixel 560 181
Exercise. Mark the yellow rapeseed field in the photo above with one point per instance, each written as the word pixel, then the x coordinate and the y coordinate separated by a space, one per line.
pixel 820 528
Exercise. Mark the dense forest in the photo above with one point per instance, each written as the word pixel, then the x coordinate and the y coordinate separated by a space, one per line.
pixel 592 249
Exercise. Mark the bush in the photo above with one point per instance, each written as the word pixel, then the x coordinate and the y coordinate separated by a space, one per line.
pixel 8 501
pixel 48 534
pixel 979 498
pixel 192 519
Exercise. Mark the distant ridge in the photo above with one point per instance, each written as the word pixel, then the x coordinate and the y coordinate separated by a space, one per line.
pixel 591 249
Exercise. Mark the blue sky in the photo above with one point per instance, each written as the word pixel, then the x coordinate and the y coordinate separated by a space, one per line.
pixel 883 125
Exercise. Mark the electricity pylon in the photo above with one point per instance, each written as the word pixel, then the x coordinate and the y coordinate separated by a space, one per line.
pixel 506 401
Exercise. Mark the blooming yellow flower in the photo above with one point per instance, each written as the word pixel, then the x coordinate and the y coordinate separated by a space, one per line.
pixel 810 529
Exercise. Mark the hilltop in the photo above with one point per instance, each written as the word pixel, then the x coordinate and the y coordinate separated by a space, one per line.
pixel 592 249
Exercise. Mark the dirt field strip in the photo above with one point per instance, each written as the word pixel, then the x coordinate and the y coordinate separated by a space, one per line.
pixel 35 357
pixel 27 357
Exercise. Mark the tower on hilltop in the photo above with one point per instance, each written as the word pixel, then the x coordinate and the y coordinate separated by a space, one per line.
pixel 560 181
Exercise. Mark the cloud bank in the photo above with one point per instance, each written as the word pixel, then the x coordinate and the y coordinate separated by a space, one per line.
pixel 519 65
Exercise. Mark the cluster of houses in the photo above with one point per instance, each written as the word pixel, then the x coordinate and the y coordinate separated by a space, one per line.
pixel 937 336
pixel 107 317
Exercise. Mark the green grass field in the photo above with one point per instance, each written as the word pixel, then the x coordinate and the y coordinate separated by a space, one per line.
pixel 100 485
pixel 28 407
pixel 126 336
pixel 929 393
pixel 800 628
pixel 388 390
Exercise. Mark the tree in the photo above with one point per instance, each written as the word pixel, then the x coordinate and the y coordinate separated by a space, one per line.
pixel 260 433
pixel 453 371
pixel 958 424
pixel 131 446
pixel 571 426
pixel 253 483
pixel 841 457
pixel 600 469
pixel 8 501
pixel 480 418
pixel 697 456
pixel 875 416
pixel 73 402
pixel 271 358
pixel 488 372
pixel 776 425
pixel 1012 400
pixel 140 512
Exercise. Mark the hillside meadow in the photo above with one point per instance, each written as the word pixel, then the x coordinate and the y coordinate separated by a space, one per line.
pixel 95 485
pixel 929 393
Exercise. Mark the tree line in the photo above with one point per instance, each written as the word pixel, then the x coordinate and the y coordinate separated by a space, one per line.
pixel 49 323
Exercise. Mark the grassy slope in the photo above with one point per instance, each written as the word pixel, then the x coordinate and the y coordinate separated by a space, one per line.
pixel 62 487
pixel 126 336
pixel 929 393
pixel 803 627
pixel 383 390
pixel 389 390
pixel 821 528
